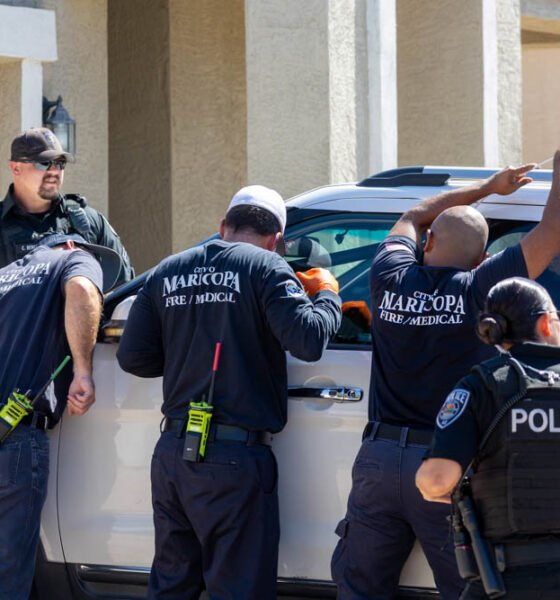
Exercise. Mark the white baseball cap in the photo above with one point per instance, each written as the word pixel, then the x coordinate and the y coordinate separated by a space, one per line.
pixel 263 197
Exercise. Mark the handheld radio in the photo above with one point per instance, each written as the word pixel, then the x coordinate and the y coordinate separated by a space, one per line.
pixel 200 416
pixel 19 406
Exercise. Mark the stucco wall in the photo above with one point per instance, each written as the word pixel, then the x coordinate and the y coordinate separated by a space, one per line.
pixel 440 82
pixel 140 123
pixel 208 114
pixel 542 9
pixel 288 94
pixel 509 82
pixel 10 115
pixel 541 108
pixel 80 77
pixel 304 101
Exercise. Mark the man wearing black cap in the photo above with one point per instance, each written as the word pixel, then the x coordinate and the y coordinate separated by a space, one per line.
pixel 34 207
pixel 216 516
pixel 50 306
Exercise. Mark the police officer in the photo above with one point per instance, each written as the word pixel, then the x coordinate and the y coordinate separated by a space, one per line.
pixel 424 312
pixel 50 304
pixel 216 519
pixel 34 207
pixel 516 475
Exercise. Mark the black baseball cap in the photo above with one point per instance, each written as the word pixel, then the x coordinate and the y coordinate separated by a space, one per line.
pixel 110 261
pixel 37 144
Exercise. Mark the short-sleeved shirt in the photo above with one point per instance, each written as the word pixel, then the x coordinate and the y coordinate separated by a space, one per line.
pixel 423 328
pixel 248 299
pixel 32 334
pixel 469 409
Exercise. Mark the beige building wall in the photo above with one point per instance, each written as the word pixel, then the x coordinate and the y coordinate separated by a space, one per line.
pixel 140 160
pixel 208 114
pixel 302 92
pixel 177 120
pixel 541 101
pixel 541 85
pixel 10 115
pixel 510 98
pixel 80 77
pixel 459 88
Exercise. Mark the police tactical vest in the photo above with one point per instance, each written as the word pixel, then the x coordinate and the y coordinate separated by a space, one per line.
pixel 78 218
pixel 516 481
pixel 18 239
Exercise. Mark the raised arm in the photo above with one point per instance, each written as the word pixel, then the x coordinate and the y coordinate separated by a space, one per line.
pixel 82 312
pixel 415 221
pixel 542 244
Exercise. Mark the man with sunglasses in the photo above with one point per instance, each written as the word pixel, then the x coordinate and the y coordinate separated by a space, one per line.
pixel 34 207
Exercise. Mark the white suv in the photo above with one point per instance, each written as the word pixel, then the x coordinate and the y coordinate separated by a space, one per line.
pixel 97 532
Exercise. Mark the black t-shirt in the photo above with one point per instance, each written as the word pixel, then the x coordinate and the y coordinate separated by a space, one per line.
pixel 245 297
pixel 32 334
pixel 423 328
pixel 469 409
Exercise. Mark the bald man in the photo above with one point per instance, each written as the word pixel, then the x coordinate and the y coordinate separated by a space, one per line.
pixel 425 305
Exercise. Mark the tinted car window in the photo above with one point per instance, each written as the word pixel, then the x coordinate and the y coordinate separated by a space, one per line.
pixel 505 234
pixel 345 245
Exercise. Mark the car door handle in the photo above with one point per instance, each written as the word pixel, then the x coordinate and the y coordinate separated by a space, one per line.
pixel 337 394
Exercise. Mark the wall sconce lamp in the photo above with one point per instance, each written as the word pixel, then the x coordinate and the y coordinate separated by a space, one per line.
pixel 57 119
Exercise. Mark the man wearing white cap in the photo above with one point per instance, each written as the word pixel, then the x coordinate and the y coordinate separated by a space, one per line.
pixel 215 321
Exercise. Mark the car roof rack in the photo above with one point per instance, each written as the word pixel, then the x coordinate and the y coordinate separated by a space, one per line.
pixel 426 176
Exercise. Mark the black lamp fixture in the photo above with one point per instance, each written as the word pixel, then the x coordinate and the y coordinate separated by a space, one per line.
pixel 57 119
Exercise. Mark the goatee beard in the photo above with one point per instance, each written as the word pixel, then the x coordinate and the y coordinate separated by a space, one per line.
pixel 47 195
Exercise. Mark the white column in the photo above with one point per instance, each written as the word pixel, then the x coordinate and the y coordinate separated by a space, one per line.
pixel 382 76
pixel 27 33
pixel 27 39
pixel 31 93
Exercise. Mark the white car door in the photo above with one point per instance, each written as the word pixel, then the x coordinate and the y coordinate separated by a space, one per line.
pixel 328 401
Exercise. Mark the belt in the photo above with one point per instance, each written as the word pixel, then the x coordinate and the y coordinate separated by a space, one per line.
pixel 219 432
pixel 405 435
pixel 526 553
pixel 36 421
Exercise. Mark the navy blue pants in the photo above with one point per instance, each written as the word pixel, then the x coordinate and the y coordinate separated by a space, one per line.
pixel 386 513
pixel 216 522
pixel 24 472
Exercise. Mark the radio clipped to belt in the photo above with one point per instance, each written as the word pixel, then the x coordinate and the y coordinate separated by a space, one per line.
pixel 19 406
pixel 200 416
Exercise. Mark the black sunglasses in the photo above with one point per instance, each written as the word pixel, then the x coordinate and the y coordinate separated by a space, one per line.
pixel 59 163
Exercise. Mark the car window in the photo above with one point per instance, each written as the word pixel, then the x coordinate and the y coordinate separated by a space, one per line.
pixel 505 234
pixel 345 245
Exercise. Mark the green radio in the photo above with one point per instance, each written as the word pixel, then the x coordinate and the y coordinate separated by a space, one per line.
pixel 200 417
pixel 18 406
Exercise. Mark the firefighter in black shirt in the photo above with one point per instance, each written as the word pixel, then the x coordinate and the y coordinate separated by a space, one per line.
pixel 216 520
pixel 501 423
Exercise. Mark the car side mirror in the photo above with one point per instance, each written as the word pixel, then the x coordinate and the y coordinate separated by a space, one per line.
pixel 112 331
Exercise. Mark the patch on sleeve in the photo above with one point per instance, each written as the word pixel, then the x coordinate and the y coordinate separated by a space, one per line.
pixel 293 290
pixel 452 408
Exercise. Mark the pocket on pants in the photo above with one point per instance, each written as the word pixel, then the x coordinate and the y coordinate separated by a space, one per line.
pixel 268 472
pixel 337 564
pixel 367 466
pixel 39 462
pixel 9 464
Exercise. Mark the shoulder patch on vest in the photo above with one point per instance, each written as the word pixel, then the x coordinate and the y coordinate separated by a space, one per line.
pixel 452 408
